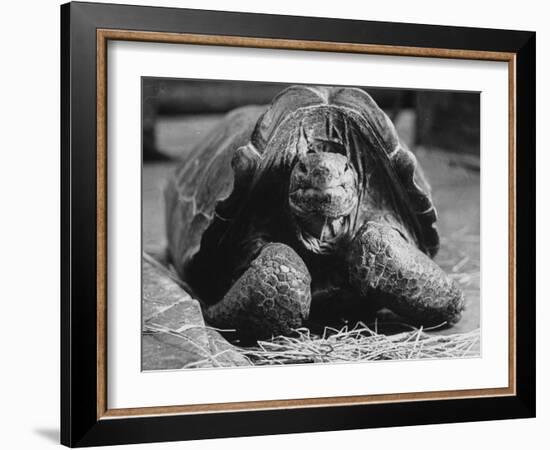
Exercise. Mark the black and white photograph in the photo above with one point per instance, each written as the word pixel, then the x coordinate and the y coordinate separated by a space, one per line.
pixel 294 224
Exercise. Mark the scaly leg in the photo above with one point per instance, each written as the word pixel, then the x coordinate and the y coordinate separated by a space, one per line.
pixel 270 298
pixel 385 265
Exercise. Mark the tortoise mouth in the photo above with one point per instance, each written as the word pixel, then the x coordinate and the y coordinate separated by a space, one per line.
pixel 332 201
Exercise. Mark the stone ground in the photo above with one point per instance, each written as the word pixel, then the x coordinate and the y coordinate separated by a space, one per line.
pixel 166 305
pixel 174 332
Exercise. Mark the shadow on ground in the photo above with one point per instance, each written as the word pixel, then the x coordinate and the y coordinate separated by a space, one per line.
pixel 49 434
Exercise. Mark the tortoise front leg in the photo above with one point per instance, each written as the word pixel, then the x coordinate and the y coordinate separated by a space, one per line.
pixel 387 266
pixel 270 298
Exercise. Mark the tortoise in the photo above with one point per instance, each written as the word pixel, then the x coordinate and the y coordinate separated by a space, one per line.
pixel 311 200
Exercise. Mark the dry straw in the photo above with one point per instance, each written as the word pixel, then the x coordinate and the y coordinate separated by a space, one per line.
pixel 361 343
pixel 357 344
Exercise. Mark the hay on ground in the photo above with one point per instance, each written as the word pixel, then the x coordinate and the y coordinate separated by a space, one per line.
pixel 361 343
pixel 357 344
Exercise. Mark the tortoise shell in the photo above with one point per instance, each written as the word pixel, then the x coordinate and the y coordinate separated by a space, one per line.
pixel 256 146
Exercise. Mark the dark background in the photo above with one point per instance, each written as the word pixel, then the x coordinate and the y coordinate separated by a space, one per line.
pixel 447 120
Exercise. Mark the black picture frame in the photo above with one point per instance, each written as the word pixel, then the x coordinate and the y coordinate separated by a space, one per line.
pixel 80 424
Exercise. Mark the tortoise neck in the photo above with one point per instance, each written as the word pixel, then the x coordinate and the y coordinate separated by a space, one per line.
pixel 322 227
pixel 319 234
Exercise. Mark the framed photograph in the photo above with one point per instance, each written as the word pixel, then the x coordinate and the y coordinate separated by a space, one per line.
pixel 278 224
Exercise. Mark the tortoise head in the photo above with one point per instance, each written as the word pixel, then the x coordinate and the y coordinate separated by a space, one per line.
pixel 323 189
